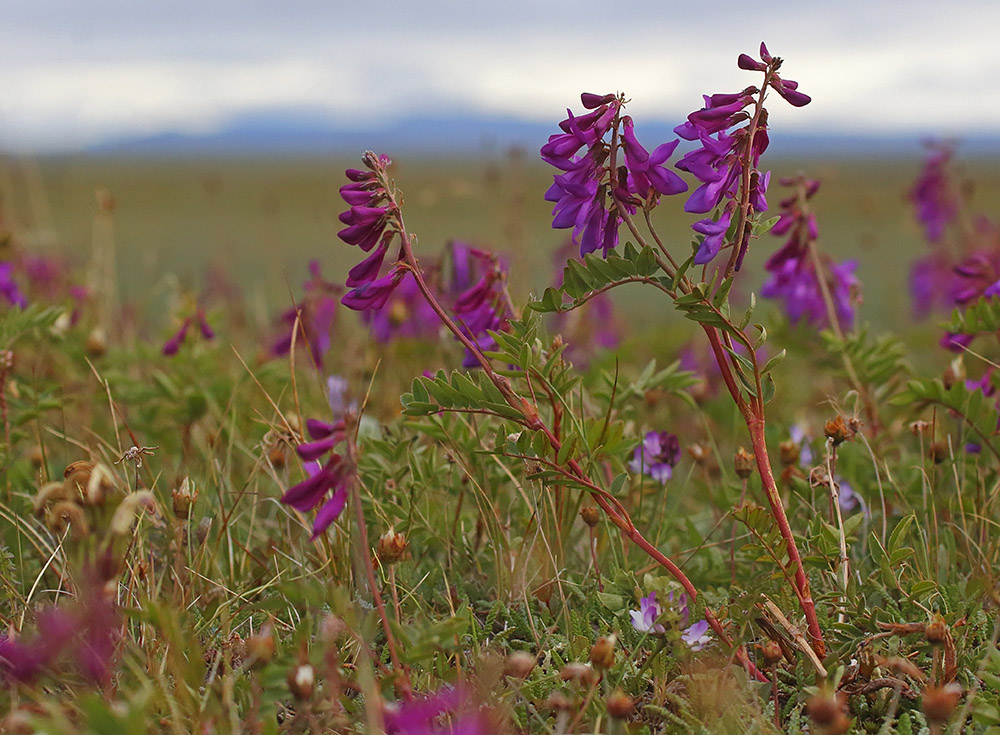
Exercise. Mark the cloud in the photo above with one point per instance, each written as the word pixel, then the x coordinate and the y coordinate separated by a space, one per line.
pixel 114 68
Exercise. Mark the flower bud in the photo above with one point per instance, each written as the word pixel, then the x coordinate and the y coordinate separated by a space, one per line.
pixel 602 654
pixel 743 463
pixel 837 431
pixel 36 456
pixel 183 498
pixel 827 712
pixel 938 452
pixel 519 664
pixel 301 680
pixel 920 428
pixel 954 373
pixel 590 515
pixel 940 702
pixel 698 453
pixel 391 547
pixel 620 705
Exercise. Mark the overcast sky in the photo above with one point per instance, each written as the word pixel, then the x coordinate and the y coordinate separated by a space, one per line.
pixel 76 72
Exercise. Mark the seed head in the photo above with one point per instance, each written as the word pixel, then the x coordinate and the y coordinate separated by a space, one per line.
pixel 301 681
pixel 391 547
pixel 940 702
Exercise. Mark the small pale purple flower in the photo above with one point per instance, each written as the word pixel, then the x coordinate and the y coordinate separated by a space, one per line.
pixel 657 455
pixel 697 635
pixel 644 619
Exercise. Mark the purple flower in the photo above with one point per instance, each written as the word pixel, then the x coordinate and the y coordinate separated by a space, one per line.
pixel 371 220
pixel 725 150
pixel 315 316
pixel 644 619
pixel 483 307
pixel 657 455
pixel 794 278
pixel 449 711
pixel 172 345
pixel 406 315
pixel 8 287
pixel 848 499
pixel 934 194
pixel 588 194
pixel 335 474
pixel 697 636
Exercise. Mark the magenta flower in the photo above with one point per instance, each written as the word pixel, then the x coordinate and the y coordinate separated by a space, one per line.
pixel 83 633
pixel 315 316
pixel 725 149
pixel 405 315
pixel 794 279
pixel 172 345
pixel 934 194
pixel 482 307
pixel 8 287
pixel 657 455
pixel 588 195
pixel 328 481
pixel 371 221
pixel 449 711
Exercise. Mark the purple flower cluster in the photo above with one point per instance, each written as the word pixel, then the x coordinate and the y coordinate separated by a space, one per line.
pixel 726 148
pixel 406 315
pixel 933 195
pixel 657 455
pixel 644 620
pixel 595 185
pixel 173 345
pixel 794 278
pixel 448 711
pixel 371 225
pixel 483 306
pixel 315 316
pixel 961 269
pixel 335 473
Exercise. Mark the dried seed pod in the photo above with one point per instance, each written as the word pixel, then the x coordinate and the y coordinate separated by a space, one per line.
pixel 129 509
pixel 391 547
pixel 590 515
pixel 183 498
pixel 772 652
pixel 581 673
pixel 940 702
pixel 837 431
pixel 602 654
pixel 261 645
pixel 936 631
pixel 743 463
pixel 620 705
pixel 519 664
pixel 789 452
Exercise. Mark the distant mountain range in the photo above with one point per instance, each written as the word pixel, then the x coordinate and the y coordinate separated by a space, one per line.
pixel 281 133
